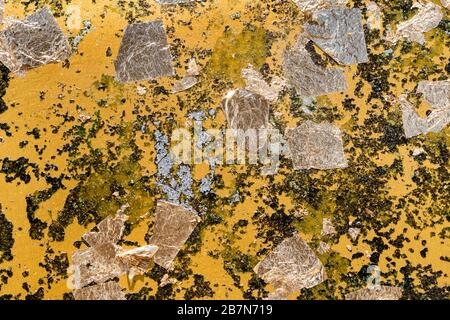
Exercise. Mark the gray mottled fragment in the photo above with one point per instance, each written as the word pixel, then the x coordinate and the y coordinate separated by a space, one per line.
pixel 105 291
pixel 311 5
pixel 255 83
pixel 173 226
pixel 376 293
pixel 414 125
pixel 316 146
pixel 291 266
pixel 307 77
pixel 144 53
pixel 426 19
pixel 37 40
pixel 246 110
pixel 327 227
pixel 339 32
pixel 97 264
pixel 436 93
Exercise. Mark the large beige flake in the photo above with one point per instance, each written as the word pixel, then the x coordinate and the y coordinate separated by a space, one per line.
pixel 246 110
pixel 316 146
pixel 173 226
pixel 144 53
pixel 290 267
pixel 309 78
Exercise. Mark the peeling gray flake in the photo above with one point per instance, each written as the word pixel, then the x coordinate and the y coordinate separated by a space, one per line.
pixel 376 293
pixel 290 267
pixel 413 30
pixel 35 41
pixel 308 78
pixel 316 146
pixel 144 53
pixel 173 226
pixel 105 291
pixel 246 110
pixel 339 32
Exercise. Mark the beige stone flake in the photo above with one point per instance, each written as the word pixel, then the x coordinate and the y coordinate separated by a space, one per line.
pixel 414 125
pixel 290 267
pixel 376 293
pixel 436 93
pixel 105 291
pixel 110 230
pixel 256 84
pixel 339 32
pixel 37 40
pixel 138 260
pixel 246 110
pixel 97 264
pixel 316 146
pixel 354 233
pixel 413 30
pixel 309 78
pixel 446 4
pixel 327 227
pixel 2 10
pixel 323 248
pixel 375 20
pixel 173 226
pixel 190 79
pixel 311 5
pixel 144 53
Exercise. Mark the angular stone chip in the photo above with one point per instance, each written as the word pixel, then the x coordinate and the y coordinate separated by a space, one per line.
pixel 437 94
pixel 97 264
pixel 246 110
pixel 173 226
pixel 316 146
pixel 105 291
pixel 290 267
pixel 339 32
pixel 427 18
pixel 376 293
pixel 255 83
pixel 144 53
pixel 309 78
pixel 35 41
